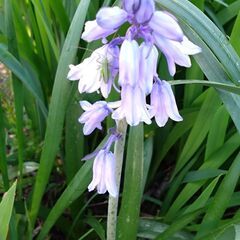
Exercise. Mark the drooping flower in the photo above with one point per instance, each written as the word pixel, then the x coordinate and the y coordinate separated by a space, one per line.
pixel 104 174
pixel 176 52
pixel 163 103
pixel 96 71
pixel 94 115
pixel 104 178
pixel 133 106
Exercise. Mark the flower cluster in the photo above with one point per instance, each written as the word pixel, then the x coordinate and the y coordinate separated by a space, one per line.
pixel 132 58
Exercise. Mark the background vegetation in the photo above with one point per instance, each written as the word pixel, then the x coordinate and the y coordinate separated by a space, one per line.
pixel 184 181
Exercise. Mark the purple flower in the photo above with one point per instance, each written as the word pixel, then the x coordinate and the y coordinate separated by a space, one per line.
pixel 132 106
pixel 104 173
pixel 93 31
pixel 93 116
pixel 163 104
pixel 176 52
pixel 104 167
pixel 96 71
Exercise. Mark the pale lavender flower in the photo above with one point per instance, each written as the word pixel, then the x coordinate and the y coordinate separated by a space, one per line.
pixel 96 71
pixel 104 174
pixel 93 31
pixel 104 178
pixel 94 115
pixel 177 52
pixel 163 103
pixel 133 106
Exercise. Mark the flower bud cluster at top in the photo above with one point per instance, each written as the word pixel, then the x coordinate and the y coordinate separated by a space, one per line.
pixel 133 58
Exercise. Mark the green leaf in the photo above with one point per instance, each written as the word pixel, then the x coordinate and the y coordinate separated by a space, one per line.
pixel 30 83
pixel 6 208
pixel 58 105
pixel 221 199
pixel 128 219
pixel 195 176
pixel 149 229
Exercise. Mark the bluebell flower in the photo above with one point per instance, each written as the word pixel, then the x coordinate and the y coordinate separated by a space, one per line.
pixel 104 178
pixel 94 115
pixel 163 103
pixel 96 71
pixel 136 67
pixel 104 174
pixel 133 106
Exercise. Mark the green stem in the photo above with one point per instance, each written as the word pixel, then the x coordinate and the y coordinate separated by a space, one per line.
pixel 113 202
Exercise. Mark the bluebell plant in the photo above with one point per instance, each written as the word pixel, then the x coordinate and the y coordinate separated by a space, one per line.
pixel 129 65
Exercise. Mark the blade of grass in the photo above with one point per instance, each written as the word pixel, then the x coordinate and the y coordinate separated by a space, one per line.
pixel 3 158
pixel 16 67
pixel 17 89
pixel 221 199
pixel 6 209
pixel 58 106
pixel 235 35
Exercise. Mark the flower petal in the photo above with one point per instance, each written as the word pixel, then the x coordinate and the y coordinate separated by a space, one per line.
pixel 170 102
pixel 97 170
pixel 145 11
pixel 166 26
pixel 131 6
pixel 110 177
pixel 75 72
pixel 111 17
pixel 85 105
pixel 93 31
pixel 148 66
pixel 129 63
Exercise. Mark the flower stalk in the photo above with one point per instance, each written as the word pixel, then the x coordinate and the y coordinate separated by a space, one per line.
pixel 113 201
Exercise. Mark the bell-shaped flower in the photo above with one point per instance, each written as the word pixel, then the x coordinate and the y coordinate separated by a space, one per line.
pixel 163 103
pixel 96 71
pixel 104 178
pixel 148 66
pixel 94 115
pixel 166 26
pixel 132 106
pixel 93 31
pixel 176 52
pixel 129 63
pixel 111 17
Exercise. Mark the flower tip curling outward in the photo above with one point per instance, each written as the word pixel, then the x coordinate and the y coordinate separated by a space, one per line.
pixel 74 72
pixel 163 103
pixel 93 116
